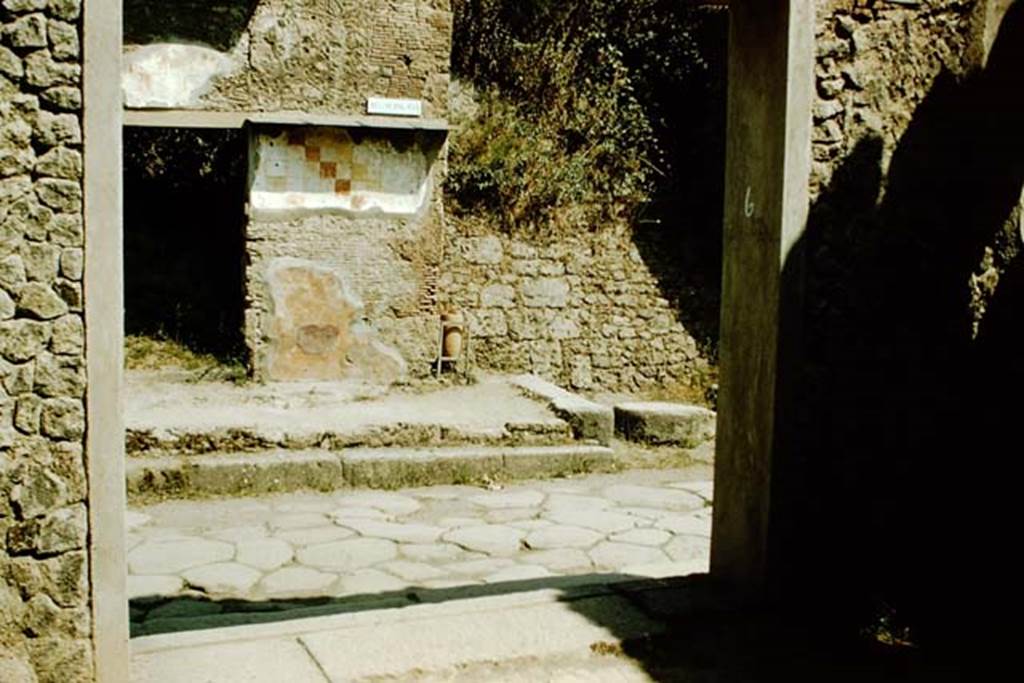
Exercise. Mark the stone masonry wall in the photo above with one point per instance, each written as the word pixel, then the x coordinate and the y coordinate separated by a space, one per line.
pixel 318 56
pixel 45 623
pixel 585 311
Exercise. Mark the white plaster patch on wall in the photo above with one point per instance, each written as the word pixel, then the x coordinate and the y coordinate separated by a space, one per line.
pixel 169 75
pixel 323 169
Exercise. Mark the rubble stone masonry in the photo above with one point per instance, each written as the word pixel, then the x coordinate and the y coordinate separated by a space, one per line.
pixel 588 311
pixel 45 624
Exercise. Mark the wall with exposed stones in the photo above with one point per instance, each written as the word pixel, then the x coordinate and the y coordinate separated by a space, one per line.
pixel 591 311
pixel 45 621
pixel 320 56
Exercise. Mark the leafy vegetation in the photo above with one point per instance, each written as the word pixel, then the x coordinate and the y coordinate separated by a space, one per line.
pixel 586 111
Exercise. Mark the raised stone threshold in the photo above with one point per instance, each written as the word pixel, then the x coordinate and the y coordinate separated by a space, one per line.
pixel 277 471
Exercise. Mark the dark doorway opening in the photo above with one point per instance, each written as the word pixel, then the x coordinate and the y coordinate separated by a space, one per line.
pixel 184 222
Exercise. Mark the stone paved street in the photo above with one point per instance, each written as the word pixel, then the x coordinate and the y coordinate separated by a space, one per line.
pixel 652 523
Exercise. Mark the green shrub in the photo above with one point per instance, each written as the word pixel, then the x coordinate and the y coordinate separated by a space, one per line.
pixel 579 106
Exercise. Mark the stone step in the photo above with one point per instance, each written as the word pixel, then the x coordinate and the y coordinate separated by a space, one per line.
pixel 195 440
pixel 589 420
pixel 276 471
pixel 659 423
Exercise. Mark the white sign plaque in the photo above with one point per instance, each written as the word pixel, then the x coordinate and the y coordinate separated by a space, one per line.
pixel 386 106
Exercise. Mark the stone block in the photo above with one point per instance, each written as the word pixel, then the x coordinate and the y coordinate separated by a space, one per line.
pixel 63 39
pixel 55 129
pixel 65 97
pixel 589 420
pixel 27 31
pixel 63 419
pixel 545 292
pixel 42 261
pixel 66 230
pixel 60 194
pixel 392 469
pixel 489 323
pixel 12 273
pixel 42 71
pixel 662 423
pixel 498 296
pixel 482 250
pixel 68 335
pixel 60 162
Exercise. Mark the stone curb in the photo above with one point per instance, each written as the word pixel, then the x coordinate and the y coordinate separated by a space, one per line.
pixel 662 423
pixel 142 440
pixel 200 476
pixel 589 420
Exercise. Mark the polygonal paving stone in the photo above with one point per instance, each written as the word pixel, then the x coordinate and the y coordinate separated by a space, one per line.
pixel 411 571
pixel 134 519
pixel 530 524
pixel 488 538
pixel 568 501
pixel 443 492
pixel 341 514
pixel 401 532
pixel 294 581
pixel 618 555
pixel 227 577
pixel 561 560
pixel 355 553
pixel 477 567
pixel 392 503
pixel 561 486
pixel 432 552
pixel 559 536
pixel 644 513
pixel 456 522
pixel 650 497
pixel 685 524
pixel 265 553
pixel 704 489
pixel 651 537
pixel 314 535
pixel 368 582
pixel 510 515
pixel 305 506
pixel 598 520
pixel 518 572
pixel 298 520
pixel 150 586
pixel 239 533
pixel 686 548
pixel 161 534
pixel 172 557
pixel 500 500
